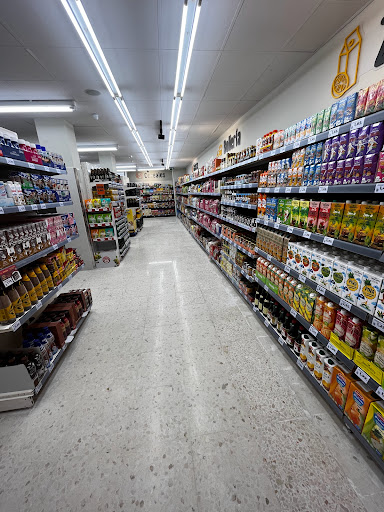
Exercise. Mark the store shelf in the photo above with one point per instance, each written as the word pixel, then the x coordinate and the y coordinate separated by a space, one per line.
pixel 29 166
pixel 121 235
pixel 34 309
pixel 334 242
pixel 205 227
pixel 375 456
pixel 239 224
pixel 239 186
pixel 239 247
pixel 33 207
pixel 181 194
pixel 206 211
pixel 98 210
pixel 60 353
pixel 154 216
pixel 250 278
pixel 105 239
pixel 239 205
pixel 100 225
pixel 213 194
pixel 361 188
pixel 125 249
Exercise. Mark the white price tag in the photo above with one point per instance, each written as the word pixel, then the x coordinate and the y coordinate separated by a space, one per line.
pixel 55 247
pixel 280 340
pixel 43 206
pixel 8 282
pixel 357 123
pixel 288 189
pixel 31 165
pixel 266 190
pixel 320 289
pixel 61 203
pixel 293 312
pixel 328 240
pixel 69 239
pixel 306 234
pixel 378 324
pixel 362 375
pixel 16 325
pixel 296 144
pixel 290 229
pixel 312 139
pixel 265 222
pixel 332 348
pixel 256 279
pixel 1 210
pixel 334 131
pixel 10 161
pixel 313 331
pixel 21 208
pixel 276 189
pixel 273 152
pixel 38 305
pixel 323 189
pixel 300 364
pixel 249 207
pixel 287 269
pixel 345 304
pixel 302 278
pixel 380 391
pixel 46 168
pixel 269 257
pixel 276 225
pixel 266 322
pixel 59 286
pixel 265 287
pixel 302 190
pixel 38 388
pixel 34 207
pixel 282 149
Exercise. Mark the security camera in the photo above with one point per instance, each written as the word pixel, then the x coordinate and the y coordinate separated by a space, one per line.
pixel 95 117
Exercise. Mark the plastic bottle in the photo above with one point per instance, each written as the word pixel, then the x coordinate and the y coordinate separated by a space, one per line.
pixel 24 296
pixel 36 283
pixel 47 276
pixel 7 306
pixel 38 361
pixel 42 339
pixel 31 367
pixel 41 278
pixel 16 302
pixel 292 333
pixel 30 289
pixel 51 340
pixel 3 312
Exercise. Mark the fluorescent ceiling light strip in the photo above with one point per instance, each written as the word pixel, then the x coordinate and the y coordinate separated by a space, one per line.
pixel 181 44
pixel 191 43
pixel 88 149
pixel 125 108
pixel 16 109
pixel 122 113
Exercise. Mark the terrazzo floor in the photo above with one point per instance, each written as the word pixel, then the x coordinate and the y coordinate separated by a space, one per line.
pixel 174 398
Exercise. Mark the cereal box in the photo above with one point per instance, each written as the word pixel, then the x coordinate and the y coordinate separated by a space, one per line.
pixel 319 124
pixel 380 96
pixel 340 384
pixel 339 175
pixel 323 217
pixel 362 141
pixel 334 148
pixel 369 168
pixel 287 211
pixel 343 146
pixel 348 168
pixel 358 402
pixel 357 169
pixel 313 212
pixel 350 108
pixel 373 429
pixel 335 218
pixel 349 222
pixel 379 176
pixel 375 138
pixel 352 143
pixel 326 119
pixel 365 224
pixel 371 99
pixel 333 114
pixel 340 112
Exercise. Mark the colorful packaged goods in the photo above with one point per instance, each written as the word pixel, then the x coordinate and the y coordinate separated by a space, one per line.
pixel 373 429
pixel 335 219
pixel 358 401
pixel 340 384
pixel 366 223
pixel 361 102
pixel 323 217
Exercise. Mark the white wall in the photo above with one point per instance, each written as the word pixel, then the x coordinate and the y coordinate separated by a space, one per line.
pixel 169 179
pixel 308 90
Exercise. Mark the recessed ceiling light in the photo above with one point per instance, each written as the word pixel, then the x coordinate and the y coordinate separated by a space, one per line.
pixel 92 92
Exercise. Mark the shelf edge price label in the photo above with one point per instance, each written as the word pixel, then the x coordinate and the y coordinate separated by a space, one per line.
pixel 323 189
pixel 38 305
pixel 266 322
pixel 282 149
pixel 38 388
pixel 269 257
pixel 357 123
pixel 276 190
pixel 332 348
pixel 345 304
pixel 16 325
pixel 8 282
pixel 293 312
pixel 302 278
pixel 266 190
pixel 306 234
pixel 249 207
pixel 296 144
pixel 288 189
pixel 55 247
pixel 43 206
pixel 380 392
pixel 379 188
pixel 21 208
pixel 276 225
pixel 59 286
pixel 328 240
pixel 312 139
pixel 34 207
pixel 265 287
pixel 334 131
pixel 69 239
pixel 287 269
pixel 320 289
pixel 290 229
pixel 378 323
pixel 362 375
pixel 280 340
pixel 313 331
pixel 10 161
pixel 31 165
pixel 302 190
pixel 300 363
pixel 273 152
pixel 1 210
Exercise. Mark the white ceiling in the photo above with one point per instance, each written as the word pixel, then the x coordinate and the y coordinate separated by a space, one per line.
pixel 243 50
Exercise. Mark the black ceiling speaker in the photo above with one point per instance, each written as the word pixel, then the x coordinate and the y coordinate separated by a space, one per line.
pixel 161 136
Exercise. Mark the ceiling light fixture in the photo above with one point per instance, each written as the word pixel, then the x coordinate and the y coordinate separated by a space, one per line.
pixel 24 107
pixel 79 18
pixel 189 22
pixel 153 169
pixel 97 148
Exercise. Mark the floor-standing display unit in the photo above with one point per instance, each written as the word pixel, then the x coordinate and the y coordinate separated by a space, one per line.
pixel 134 211
pixel 157 200
pixel 300 236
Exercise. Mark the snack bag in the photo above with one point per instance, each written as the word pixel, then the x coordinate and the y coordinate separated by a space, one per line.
pixel 361 101
pixel 371 99
pixel 375 138
pixel 352 143
pixel 333 114
pixel 362 141
pixel 350 108
pixel 369 168
pixel 380 96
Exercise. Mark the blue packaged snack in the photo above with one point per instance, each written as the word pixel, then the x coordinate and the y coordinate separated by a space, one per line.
pixel 332 118
pixel 316 177
pixel 319 152
pixel 340 112
pixel 305 175
pixel 312 154
pixel 311 174
pixel 307 155
pixel 350 108
pixel 352 143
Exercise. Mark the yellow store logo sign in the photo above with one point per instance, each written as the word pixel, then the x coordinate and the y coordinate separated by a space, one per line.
pixel 348 64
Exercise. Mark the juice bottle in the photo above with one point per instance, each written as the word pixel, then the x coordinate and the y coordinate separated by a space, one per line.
pixel 22 291
pixel 8 308
pixel 36 283
pixel 3 311
pixel 319 312
pixel 47 276
pixel 329 319
pixel 41 278
pixel 30 289
pixel 17 305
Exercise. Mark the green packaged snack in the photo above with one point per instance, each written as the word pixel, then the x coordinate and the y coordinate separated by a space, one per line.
pixel 319 123
pixel 287 211
pixel 280 209
pixel 326 119
pixel 295 219
pixel 304 209
pixel 313 124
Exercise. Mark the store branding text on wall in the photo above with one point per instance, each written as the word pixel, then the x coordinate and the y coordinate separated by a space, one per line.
pixel 232 141
pixel 146 175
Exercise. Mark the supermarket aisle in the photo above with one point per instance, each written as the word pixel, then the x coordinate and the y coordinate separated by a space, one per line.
pixel 174 399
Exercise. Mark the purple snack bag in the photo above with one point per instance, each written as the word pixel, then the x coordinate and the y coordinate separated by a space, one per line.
pixel 327 150
pixel 339 174
pixel 347 180
pixel 375 138
pixel 323 173
pixel 369 169
pixel 357 169
pixel 331 173
pixel 343 146
pixel 362 141
pixel 334 149
pixel 352 143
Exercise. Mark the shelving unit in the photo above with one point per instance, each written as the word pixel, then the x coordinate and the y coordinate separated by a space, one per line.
pixel 161 194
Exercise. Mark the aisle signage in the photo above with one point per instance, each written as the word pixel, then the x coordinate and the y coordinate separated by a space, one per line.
pixel 348 64
pixel 232 141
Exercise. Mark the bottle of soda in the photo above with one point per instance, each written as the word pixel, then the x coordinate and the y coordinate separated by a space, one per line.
pixel 292 333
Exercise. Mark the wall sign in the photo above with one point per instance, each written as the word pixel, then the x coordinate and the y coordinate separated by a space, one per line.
pixel 195 167
pixel 232 141
pixel 348 64
pixel 147 175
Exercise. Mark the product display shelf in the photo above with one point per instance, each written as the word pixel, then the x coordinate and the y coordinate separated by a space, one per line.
pixel 250 278
pixel 32 207
pixel 100 225
pixel 206 211
pixel 239 205
pixel 339 244
pixel 205 227
pixel 240 185
pixel 239 224
pixel 299 363
pixel 239 247
pixel 266 157
pixel 125 248
pixel 361 188
pixel 182 194
pixel 28 166
pixel 162 215
pixel 213 194
pixel 34 309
